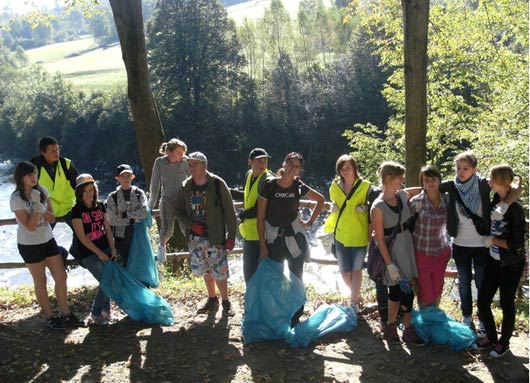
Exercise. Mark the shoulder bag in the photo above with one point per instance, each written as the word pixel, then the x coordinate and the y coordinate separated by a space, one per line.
pixel 376 264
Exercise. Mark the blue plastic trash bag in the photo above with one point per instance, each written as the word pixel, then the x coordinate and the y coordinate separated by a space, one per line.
pixel 271 301
pixel 133 297
pixel 141 262
pixel 434 326
pixel 325 320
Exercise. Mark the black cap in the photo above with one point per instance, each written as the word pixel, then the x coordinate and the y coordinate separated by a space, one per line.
pixel 258 153
pixel 123 168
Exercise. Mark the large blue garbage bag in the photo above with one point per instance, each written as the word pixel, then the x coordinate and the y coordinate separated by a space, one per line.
pixel 272 299
pixel 141 262
pixel 326 319
pixel 434 326
pixel 133 297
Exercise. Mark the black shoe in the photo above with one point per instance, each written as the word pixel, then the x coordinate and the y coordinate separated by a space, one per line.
pixel 55 323
pixel 211 305
pixel 227 309
pixel 73 321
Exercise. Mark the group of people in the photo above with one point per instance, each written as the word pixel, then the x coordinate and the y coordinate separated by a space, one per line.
pixel 416 230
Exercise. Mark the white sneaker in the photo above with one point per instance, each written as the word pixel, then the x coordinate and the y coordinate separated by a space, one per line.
pixel 161 254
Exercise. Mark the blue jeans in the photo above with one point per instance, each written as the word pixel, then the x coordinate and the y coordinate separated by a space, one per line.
pixel 95 266
pixel 350 258
pixel 467 258
pixel 250 258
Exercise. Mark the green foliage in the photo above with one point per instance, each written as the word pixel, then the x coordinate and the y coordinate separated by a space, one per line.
pixel 197 74
pixel 477 81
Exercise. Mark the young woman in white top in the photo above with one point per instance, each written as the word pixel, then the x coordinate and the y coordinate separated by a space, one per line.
pixel 34 213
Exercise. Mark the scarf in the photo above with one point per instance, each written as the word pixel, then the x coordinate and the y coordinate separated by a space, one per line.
pixel 470 193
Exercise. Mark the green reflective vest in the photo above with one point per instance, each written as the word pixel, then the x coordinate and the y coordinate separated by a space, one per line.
pixel 249 227
pixel 61 193
pixel 352 230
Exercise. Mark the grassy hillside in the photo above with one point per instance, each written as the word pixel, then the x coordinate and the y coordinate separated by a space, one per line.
pixel 94 68
pixel 83 63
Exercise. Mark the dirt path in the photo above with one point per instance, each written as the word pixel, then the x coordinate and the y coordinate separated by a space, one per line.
pixel 198 348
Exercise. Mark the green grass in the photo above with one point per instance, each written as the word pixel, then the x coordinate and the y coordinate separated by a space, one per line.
pixel 83 63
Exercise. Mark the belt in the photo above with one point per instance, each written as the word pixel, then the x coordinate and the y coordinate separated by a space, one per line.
pixel 399 229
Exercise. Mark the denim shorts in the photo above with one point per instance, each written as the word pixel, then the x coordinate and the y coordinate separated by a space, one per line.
pixel 350 258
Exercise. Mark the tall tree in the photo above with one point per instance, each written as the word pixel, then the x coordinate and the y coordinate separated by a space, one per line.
pixel 149 132
pixel 415 22
pixel 196 68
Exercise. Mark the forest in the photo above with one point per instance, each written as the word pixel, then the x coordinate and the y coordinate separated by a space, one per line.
pixel 325 81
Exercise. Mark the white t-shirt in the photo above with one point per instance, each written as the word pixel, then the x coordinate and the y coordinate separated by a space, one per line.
pixel 467 235
pixel 43 232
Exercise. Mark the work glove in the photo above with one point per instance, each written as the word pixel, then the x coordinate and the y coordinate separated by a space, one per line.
pixel 405 286
pixel 35 195
pixel 248 213
pixel 229 244
pixel 498 213
pixel 487 242
pixel 198 228
pixel 38 207
pixel 393 272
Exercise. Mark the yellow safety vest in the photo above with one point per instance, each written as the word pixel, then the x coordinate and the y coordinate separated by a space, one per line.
pixel 352 230
pixel 249 227
pixel 61 193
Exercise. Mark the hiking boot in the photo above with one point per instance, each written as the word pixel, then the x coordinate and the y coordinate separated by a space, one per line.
pixel 481 344
pixel 481 332
pixel 468 321
pixel 99 320
pixel 71 320
pixel 55 323
pixel 499 350
pixel 211 305
pixel 410 336
pixel 227 309
pixel 390 333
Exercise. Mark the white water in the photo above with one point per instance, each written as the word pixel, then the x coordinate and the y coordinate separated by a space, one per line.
pixel 323 278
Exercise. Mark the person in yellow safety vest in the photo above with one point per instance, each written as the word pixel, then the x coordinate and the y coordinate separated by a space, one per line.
pixel 258 160
pixel 58 175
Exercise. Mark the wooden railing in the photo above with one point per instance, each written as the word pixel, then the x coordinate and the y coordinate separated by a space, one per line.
pixel 170 256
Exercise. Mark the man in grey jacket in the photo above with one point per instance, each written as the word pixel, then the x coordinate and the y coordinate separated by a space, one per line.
pixel 205 212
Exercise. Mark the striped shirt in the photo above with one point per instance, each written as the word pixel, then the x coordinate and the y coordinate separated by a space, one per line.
pixel 430 234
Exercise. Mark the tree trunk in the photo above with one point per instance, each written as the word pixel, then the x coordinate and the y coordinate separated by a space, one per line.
pixel 415 27
pixel 149 132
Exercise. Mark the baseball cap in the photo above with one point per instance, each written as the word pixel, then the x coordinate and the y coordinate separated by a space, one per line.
pixel 82 179
pixel 258 153
pixel 198 156
pixel 123 168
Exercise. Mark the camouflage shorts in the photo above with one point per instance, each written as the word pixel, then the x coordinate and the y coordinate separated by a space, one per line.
pixel 206 259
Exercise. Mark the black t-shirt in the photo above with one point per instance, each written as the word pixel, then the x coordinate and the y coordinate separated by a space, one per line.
pixel 93 227
pixel 282 204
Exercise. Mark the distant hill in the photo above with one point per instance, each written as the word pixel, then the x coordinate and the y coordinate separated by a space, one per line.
pixel 95 68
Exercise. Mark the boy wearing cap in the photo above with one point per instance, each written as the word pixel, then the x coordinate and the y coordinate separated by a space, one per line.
pixel 206 216
pixel 258 160
pixel 125 206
